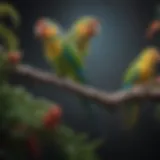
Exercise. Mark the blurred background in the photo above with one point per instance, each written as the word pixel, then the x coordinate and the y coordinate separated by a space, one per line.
pixel 122 38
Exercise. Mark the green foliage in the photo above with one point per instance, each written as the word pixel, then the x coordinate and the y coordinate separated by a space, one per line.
pixel 20 109
pixel 77 146
pixel 9 11
pixel 9 38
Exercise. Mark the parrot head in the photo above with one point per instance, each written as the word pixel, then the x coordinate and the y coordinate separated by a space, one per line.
pixel 153 28
pixel 87 27
pixel 45 28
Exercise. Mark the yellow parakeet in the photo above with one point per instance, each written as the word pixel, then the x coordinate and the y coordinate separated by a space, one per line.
pixel 140 71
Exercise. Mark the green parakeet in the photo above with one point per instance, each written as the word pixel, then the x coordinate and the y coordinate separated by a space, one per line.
pixel 140 71
pixel 60 53
pixel 82 32
pixel 79 36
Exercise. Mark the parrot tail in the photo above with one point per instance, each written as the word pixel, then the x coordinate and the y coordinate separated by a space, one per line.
pixel 131 112
pixel 131 115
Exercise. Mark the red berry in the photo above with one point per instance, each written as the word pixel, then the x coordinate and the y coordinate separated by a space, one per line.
pixel 14 57
pixel 153 28
pixel 56 112
pixel 53 117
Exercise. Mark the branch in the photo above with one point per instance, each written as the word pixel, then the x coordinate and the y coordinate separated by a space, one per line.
pixel 138 93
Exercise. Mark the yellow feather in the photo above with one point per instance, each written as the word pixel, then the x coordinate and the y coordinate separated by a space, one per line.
pixel 147 64
pixel 53 50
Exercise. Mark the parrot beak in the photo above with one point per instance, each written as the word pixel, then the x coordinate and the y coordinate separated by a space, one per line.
pixel 94 28
pixel 39 28
pixel 153 29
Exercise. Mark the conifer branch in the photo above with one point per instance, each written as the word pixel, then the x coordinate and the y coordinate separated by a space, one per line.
pixel 148 92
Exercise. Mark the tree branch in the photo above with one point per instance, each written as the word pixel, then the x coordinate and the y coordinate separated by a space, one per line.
pixel 134 94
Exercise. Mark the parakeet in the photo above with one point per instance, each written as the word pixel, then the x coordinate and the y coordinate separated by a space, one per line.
pixel 62 55
pixel 140 71
pixel 82 32
pixel 154 26
pixel 79 36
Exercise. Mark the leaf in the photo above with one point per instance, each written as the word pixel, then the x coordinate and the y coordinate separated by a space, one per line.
pixel 10 39
pixel 8 10
pixel 76 145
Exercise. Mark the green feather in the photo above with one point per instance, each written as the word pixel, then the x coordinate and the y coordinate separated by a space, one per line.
pixel 72 36
pixel 131 111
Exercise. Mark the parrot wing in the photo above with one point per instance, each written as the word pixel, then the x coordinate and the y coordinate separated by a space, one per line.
pixel 131 111
pixel 53 54
pixel 131 79
pixel 71 37
pixel 131 76
pixel 75 62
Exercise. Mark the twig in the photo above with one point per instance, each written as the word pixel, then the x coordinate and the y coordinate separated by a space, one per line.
pixel 138 93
